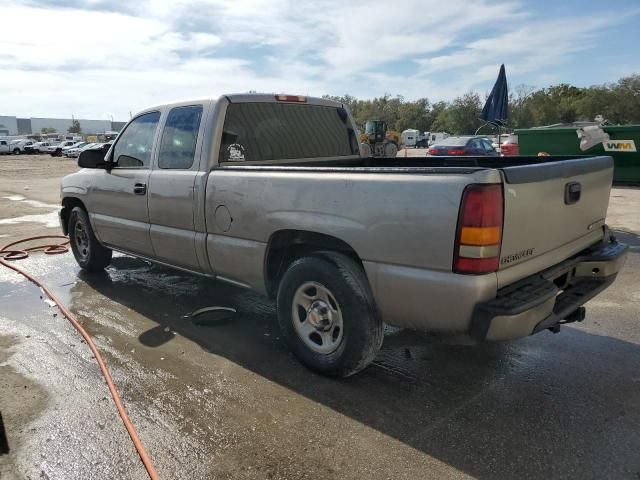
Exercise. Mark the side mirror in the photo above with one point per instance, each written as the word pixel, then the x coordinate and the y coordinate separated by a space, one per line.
pixel 92 158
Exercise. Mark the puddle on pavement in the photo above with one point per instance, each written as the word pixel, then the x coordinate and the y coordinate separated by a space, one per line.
pixel 50 220
pixel 32 203
pixel 135 309
pixel 131 289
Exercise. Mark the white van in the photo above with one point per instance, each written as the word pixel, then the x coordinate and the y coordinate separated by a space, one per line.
pixel 409 137
pixel 435 137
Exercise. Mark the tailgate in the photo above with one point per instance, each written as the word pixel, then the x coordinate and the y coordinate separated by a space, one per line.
pixel 552 210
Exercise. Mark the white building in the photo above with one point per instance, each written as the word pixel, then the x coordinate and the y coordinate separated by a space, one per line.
pixel 8 126
pixel 62 125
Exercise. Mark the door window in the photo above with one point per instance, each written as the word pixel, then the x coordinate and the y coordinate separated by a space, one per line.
pixel 133 149
pixel 178 144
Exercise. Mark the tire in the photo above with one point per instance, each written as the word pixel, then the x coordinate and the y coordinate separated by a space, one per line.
pixel 16 151
pixel 88 251
pixel 344 332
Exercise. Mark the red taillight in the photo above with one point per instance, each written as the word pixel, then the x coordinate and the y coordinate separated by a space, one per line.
pixel 432 151
pixel 291 98
pixel 479 234
pixel 509 149
pixel 455 152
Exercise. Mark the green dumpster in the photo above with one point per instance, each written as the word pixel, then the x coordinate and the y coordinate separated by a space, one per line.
pixel 624 147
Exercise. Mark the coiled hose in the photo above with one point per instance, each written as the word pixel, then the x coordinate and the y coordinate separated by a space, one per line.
pixel 7 254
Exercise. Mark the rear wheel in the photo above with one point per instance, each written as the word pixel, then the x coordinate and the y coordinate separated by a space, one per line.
pixel 16 151
pixel 327 314
pixel 86 248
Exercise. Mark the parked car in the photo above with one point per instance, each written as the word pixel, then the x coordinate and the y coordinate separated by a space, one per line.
pixel 71 151
pixel 75 152
pixel 38 147
pixel 18 146
pixel 462 145
pixel 466 248
pixel 4 147
pixel 509 147
pixel 56 150
pixel 31 148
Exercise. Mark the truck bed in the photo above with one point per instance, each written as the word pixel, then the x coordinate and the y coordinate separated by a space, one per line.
pixel 541 227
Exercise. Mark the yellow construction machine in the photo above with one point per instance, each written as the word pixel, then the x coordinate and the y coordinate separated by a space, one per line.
pixel 377 141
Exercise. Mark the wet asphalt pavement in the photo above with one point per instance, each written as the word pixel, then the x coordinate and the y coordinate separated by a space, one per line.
pixel 225 399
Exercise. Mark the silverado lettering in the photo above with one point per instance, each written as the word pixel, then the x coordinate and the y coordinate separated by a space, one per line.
pixel 516 256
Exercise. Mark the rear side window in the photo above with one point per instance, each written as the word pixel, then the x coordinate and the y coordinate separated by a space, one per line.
pixel 476 145
pixel 281 131
pixel 178 144
pixel 133 149
pixel 487 145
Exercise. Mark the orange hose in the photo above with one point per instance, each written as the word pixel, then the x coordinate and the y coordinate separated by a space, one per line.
pixel 6 254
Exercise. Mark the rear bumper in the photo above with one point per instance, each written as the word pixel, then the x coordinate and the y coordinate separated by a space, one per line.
pixel 550 298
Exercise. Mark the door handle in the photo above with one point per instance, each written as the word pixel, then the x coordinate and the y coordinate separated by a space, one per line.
pixel 140 188
pixel 572 192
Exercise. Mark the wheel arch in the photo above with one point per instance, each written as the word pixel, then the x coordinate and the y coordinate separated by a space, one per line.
pixel 68 204
pixel 285 246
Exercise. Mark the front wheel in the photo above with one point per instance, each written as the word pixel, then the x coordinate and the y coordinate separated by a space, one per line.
pixel 16 151
pixel 86 248
pixel 327 314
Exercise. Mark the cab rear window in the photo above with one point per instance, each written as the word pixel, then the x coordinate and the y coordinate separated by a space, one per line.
pixel 283 131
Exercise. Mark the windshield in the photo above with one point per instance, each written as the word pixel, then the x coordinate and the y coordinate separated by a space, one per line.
pixel 373 126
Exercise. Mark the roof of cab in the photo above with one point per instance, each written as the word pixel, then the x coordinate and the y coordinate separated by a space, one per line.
pixel 273 97
pixel 245 98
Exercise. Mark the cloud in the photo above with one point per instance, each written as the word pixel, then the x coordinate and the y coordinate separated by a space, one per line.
pixel 96 58
pixel 534 45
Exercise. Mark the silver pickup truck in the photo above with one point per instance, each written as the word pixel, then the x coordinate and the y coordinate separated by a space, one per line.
pixel 270 192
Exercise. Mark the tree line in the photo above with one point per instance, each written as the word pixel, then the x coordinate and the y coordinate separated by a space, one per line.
pixel 74 128
pixel 618 103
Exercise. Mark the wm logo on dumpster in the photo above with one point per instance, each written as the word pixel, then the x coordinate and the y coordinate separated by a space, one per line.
pixel 619 146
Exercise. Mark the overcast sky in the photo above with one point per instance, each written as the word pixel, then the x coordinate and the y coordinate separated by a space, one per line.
pixel 102 58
